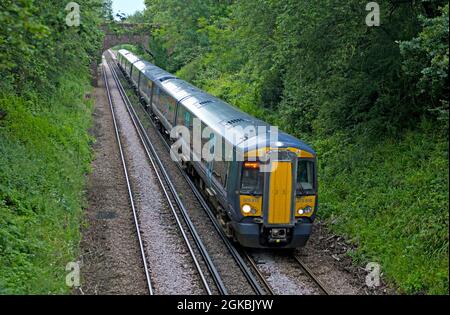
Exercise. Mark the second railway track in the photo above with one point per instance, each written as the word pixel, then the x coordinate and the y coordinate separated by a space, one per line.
pixel 130 193
pixel 311 275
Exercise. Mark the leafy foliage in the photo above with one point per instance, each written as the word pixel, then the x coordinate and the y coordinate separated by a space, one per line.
pixel 426 63
pixel 44 154
pixel 390 197
pixel 44 144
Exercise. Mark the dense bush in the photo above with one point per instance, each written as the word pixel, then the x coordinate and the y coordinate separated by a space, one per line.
pixel 44 144
pixel 390 197
pixel 44 154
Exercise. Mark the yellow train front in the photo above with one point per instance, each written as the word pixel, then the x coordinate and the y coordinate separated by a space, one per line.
pixel 276 195
pixel 262 183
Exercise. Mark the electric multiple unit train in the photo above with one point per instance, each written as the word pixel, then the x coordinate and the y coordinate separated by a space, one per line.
pixel 262 188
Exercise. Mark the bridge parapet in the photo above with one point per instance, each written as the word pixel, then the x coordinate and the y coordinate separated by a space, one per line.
pixel 126 33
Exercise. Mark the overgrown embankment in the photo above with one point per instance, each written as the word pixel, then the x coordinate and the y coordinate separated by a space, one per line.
pixel 45 114
pixel 390 198
pixel 44 155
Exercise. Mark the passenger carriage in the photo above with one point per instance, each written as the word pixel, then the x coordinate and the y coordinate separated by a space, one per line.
pixel 271 208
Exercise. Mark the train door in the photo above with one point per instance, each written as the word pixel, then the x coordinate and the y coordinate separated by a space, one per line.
pixel 279 189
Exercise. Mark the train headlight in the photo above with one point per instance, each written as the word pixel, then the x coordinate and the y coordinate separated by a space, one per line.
pixel 305 210
pixel 246 209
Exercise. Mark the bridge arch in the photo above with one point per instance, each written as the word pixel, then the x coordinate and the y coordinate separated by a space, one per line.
pixel 121 33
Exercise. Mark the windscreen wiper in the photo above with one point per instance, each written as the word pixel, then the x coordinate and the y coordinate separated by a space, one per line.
pixel 302 190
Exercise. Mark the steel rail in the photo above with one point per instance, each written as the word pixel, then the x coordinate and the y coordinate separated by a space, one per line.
pixel 311 275
pixel 252 262
pixel 130 193
pixel 235 252
pixel 164 178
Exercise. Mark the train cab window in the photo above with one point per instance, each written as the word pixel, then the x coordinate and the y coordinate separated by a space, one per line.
pixel 305 177
pixel 252 180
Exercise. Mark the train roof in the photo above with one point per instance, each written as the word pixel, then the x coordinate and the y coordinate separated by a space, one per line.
pixel 129 56
pixel 226 120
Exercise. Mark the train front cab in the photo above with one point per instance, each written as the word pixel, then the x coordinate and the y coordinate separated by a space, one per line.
pixel 278 206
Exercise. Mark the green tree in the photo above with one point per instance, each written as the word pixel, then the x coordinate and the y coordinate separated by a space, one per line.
pixel 107 11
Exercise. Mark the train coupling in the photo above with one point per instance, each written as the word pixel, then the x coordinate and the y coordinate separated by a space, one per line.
pixel 277 236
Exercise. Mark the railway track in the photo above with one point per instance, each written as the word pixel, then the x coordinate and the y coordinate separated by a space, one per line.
pixel 237 256
pixel 130 192
pixel 297 260
pixel 245 262
pixel 258 272
pixel 311 275
pixel 171 195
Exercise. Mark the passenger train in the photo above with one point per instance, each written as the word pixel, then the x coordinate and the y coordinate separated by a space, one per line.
pixel 270 208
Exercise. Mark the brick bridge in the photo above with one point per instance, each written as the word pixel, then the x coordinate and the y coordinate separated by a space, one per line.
pixel 126 33
pixel 122 33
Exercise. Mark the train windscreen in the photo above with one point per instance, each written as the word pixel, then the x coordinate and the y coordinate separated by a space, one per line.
pixel 305 177
pixel 252 181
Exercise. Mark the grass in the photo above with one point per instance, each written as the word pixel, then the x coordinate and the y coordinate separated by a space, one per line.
pixel 390 197
pixel 44 155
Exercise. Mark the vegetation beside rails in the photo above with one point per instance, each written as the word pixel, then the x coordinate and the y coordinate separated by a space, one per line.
pixel 45 114
pixel 44 156
pixel 390 198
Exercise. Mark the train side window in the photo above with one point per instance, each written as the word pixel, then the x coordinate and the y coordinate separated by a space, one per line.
pixel 155 95
pixel 136 76
pixel 205 139
pixel 142 83
pixel 180 115
pixel 162 104
pixel 171 108
pixel 187 119
pixel 149 89
pixel 221 172
pixel 191 131
pixel 212 143
pixel 220 166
